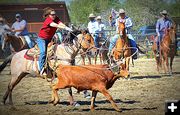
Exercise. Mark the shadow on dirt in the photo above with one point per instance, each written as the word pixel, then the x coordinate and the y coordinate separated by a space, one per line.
pixel 146 77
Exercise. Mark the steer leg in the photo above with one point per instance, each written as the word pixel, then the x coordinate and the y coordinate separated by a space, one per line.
pixel 109 97
pixel 94 93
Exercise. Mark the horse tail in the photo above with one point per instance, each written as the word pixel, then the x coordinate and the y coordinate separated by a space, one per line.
pixel 5 62
pixel 141 51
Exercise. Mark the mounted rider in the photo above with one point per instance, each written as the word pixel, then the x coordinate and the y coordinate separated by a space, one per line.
pixel 128 26
pixel 3 28
pixel 101 27
pixel 20 29
pixel 93 29
pixel 162 24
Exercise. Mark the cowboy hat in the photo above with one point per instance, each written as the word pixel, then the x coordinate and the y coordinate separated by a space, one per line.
pixel 98 17
pixel 121 11
pixel 92 15
pixel 1 19
pixel 18 15
pixel 164 12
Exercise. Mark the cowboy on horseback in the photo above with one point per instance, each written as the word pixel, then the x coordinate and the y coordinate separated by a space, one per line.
pixel 102 27
pixel 20 29
pixel 93 29
pixel 162 24
pixel 46 33
pixel 128 26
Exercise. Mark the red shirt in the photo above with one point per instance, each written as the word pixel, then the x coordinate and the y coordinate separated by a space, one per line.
pixel 47 32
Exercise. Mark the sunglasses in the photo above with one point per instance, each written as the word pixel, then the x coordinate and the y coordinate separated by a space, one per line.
pixel 52 14
pixel 17 17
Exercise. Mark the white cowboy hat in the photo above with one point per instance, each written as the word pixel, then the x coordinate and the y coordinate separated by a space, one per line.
pixel 121 11
pixel 18 15
pixel 98 17
pixel 92 15
pixel 164 12
pixel 1 19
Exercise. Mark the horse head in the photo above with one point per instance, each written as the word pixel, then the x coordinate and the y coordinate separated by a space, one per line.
pixel 6 37
pixel 121 28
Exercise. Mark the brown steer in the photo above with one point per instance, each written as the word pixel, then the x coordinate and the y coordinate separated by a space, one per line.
pixel 97 78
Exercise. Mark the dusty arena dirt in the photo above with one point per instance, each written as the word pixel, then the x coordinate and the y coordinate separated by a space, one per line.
pixel 144 93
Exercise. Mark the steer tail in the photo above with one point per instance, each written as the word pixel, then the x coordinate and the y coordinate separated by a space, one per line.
pixel 5 62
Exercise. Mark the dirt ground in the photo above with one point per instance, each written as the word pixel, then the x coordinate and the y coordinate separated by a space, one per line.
pixel 144 93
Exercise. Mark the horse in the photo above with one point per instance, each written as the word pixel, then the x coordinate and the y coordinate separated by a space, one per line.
pixel 121 49
pixel 167 49
pixel 21 66
pixel 17 44
pixel 87 44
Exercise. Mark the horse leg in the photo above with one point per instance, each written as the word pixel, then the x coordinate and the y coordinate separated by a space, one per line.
pixel 6 61
pixel 89 59
pixel 109 97
pixel 171 62
pixel 132 62
pixel 127 63
pixel 94 93
pixel 83 59
pixel 12 84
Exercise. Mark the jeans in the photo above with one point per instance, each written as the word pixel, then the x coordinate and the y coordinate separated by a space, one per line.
pixel 113 42
pixel 132 43
pixel 29 41
pixel 96 40
pixel 42 44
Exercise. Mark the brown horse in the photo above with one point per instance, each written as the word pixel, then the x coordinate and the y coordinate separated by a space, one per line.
pixel 17 43
pixel 121 49
pixel 87 44
pixel 88 48
pixel 167 49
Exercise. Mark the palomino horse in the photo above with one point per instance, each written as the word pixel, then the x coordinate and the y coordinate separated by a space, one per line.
pixel 167 49
pixel 121 49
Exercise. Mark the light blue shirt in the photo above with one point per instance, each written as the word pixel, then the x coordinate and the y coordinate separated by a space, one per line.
pixel 18 25
pixel 162 24
pixel 128 24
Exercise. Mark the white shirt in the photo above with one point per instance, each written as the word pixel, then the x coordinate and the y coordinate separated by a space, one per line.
pixel 101 27
pixel 18 25
pixel 93 27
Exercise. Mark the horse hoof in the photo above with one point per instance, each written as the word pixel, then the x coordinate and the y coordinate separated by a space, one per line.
pixel 2 103
pixel 119 110
pixel 50 101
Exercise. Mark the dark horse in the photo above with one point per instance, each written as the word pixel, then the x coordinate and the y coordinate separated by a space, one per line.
pixel 167 49
pixel 17 44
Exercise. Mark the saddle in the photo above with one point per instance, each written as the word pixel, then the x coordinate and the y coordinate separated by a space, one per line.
pixel 34 53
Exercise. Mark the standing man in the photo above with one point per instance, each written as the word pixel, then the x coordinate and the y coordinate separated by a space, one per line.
pixel 93 29
pixel 162 24
pixel 128 26
pixel 20 29
pixel 3 28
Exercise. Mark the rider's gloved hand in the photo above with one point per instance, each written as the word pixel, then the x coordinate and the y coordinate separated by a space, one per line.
pixel 68 29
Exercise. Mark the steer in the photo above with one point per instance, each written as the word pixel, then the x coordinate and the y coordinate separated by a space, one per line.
pixel 98 78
